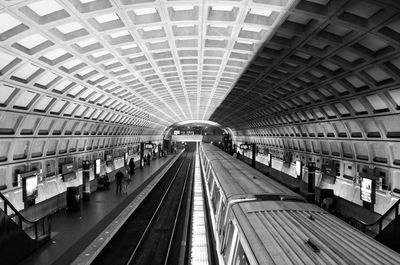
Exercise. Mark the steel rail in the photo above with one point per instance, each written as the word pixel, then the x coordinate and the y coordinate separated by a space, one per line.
pixel 177 213
pixel 147 229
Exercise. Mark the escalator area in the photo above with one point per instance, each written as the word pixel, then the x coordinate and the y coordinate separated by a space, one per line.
pixel 385 230
pixel 19 237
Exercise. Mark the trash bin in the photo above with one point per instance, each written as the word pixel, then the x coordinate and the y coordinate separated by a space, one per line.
pixel 73 198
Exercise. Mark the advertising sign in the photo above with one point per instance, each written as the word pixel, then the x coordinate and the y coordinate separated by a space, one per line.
pixel 245 146
pixel 367 193
pixel 30 187
pixel 148 146
pixel 97 167
pixel 299 167
pixel 269 160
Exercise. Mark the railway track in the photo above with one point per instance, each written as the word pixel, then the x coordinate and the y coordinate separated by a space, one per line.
pixel 153 233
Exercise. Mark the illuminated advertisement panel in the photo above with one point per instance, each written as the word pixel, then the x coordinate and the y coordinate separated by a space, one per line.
pixel 97 166
pixel 245 146
pixel 298 168
pixel 30 187
pixel 269 160
pixel 367 193
pixel 148 146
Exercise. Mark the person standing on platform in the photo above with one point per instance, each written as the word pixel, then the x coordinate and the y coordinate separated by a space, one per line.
pixel 131 167
pixel 148 158
pixel 118 177
pixel 125 182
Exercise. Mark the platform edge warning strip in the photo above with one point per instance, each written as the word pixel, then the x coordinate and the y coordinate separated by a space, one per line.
pixel 199 249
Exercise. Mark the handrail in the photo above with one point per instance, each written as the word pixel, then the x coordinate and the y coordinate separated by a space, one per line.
pixel 21 218
pixel 361 224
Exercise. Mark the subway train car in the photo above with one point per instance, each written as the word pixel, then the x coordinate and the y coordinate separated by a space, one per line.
pixel 258 221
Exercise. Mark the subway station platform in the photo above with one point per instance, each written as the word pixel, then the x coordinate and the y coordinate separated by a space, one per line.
pixel 73 231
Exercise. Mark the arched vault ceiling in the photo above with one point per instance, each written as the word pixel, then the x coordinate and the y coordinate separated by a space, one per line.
pixel 327 61
pixel 146 63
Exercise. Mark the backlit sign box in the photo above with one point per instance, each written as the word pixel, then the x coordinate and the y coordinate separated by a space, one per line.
pixel 298 168
pixel 148 146
pixel 367 193
pixel 245 146
pixel 97 166
pixel 30 187
pixel 269 159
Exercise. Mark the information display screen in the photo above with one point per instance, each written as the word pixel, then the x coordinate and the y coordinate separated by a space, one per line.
pixel 368 190
pixel 269 160
pixel 97 166
pixel 299 167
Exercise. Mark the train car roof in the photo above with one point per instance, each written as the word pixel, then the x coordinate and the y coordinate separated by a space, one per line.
pixel 287 233
pixel 238 179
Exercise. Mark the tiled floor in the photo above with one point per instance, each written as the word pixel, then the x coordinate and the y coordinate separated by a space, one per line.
pixel 72 231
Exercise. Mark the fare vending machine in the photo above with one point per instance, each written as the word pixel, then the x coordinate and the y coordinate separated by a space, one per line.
pixel 86 180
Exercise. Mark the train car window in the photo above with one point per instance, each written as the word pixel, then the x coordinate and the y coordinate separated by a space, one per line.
pixel 217 200
pixel 229 243
pixel 215 197
pixel 221 219
pixel 240 258
pixel 207 173
pixel 210 181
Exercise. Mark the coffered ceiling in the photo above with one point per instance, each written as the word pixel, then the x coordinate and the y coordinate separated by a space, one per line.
pixel 148 63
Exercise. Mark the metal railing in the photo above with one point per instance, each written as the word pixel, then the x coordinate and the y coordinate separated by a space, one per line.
pixel 36 229
pixel 376 227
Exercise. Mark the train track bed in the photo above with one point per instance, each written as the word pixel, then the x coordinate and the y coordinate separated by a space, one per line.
pixel 147 236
